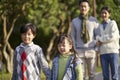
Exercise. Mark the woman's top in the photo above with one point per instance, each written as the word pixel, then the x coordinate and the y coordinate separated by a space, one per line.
pixel 109 36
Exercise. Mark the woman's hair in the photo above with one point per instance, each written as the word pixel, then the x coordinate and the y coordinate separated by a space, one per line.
pixel 28 26
pixel 106 8
pixel 80 1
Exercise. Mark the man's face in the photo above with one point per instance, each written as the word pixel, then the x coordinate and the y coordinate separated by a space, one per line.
pixel 84 8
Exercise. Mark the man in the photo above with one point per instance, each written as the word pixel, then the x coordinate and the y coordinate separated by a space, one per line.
pixel 83 31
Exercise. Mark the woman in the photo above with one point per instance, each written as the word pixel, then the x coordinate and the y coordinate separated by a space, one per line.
pixel 109 45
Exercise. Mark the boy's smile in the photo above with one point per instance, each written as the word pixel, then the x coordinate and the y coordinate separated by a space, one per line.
pixel 27 37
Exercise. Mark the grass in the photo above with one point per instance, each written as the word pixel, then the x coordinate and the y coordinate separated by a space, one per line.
pixel 7 76
pixel 98 69
pixel 4 75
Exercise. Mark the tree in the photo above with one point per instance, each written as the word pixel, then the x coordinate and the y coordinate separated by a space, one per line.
pixel 114 6
pixel 10 11
pixel 53 17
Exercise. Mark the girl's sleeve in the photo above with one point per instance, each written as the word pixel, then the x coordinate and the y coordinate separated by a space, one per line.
pixel 44 64
pixel 79 72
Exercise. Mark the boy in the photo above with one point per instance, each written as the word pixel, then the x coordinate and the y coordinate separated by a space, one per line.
pixel 28 57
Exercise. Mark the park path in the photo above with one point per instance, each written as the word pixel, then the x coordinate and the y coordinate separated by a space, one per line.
pixel 99 75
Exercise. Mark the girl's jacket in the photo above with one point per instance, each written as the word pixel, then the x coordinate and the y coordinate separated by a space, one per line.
pixel 70 68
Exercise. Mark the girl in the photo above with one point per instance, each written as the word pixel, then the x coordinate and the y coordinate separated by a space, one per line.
pixel 66 66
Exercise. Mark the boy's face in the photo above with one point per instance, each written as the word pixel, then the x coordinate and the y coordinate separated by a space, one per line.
pixel 27 37
pixel 84 8
pixel 64 47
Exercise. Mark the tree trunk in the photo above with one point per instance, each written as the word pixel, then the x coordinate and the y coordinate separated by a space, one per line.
pixel 10 62
pixel 50 48
pixel 52 42
pixel 10 14
pixel 0 52
pixel 8 55
pixel 94 8
pixel 7 51
pixel 69 24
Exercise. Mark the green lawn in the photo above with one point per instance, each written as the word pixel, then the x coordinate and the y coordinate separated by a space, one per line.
pixel 5 76
pixel 98 69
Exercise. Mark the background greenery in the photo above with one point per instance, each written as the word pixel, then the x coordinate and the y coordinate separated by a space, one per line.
pixel 52 17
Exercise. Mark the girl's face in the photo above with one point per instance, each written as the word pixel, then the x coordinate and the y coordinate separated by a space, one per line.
pixel 105 15
pixel 27 37
pixel 84 8
pixel 64 47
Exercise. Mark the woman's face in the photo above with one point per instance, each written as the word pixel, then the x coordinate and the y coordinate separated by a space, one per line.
pixel 105 15
pixel 64 47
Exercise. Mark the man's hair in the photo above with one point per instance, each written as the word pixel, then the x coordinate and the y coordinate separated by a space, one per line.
pixel 84 1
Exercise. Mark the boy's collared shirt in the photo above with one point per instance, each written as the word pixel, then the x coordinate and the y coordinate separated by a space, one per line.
pixel 34 60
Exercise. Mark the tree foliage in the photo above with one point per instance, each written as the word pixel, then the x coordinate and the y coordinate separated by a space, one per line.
pixel 52 18
pixel 114 6
pixel 10 11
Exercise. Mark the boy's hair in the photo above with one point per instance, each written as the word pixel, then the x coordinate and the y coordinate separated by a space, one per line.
pixel 28 26
pixel 106 8
pixel 84 1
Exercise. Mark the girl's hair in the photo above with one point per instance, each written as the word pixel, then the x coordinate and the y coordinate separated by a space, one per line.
pixel 68 37
pixel 84 1
pixel 28 26
pixel 106 8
